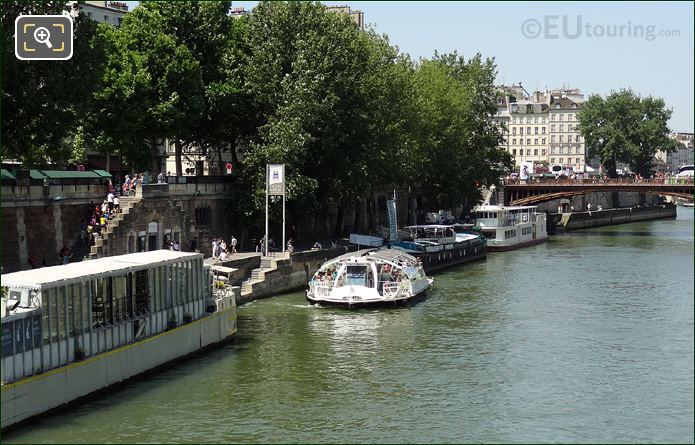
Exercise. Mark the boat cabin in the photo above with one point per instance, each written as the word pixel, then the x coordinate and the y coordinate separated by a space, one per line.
pixel 53 316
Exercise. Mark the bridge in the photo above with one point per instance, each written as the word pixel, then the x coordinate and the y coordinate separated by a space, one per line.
pixel 536 192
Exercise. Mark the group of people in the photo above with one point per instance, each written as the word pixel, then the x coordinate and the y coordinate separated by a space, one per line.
pixel 220 249
pixel 132 183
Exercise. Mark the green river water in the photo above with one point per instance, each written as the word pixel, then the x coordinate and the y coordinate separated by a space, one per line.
pixel 586 338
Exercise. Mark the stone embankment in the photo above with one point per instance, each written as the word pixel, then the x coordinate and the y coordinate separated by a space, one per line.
pixel 608 217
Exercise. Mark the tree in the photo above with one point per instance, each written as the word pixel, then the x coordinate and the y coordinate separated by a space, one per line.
pixel 44 102
pixel 625 128
pixel 151 79
pixel 458 140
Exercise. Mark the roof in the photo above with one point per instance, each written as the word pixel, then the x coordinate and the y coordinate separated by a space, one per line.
pixel 46 276
pixel 394 256
pixel 494 208
pixel 6 174
pixel 70 174
pixel 430 226
pixel 103 173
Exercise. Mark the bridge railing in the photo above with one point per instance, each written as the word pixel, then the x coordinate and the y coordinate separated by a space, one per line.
pixel 603 181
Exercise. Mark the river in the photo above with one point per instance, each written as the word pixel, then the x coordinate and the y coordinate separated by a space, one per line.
pixel 586 338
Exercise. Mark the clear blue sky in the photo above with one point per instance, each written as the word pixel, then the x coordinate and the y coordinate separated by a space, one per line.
pixel 661 66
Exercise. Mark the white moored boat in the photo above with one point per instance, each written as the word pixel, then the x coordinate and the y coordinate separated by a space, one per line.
pixel 369 277
pixel 511 227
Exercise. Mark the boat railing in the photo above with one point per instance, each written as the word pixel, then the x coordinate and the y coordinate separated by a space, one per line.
pixel 322 289
pixel 393 289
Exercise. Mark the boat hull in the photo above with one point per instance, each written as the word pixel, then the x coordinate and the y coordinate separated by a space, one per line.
pixel 515 246
pixel 400 302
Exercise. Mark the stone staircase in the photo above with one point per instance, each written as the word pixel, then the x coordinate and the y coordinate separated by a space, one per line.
pixel 99 248
pixel 268 264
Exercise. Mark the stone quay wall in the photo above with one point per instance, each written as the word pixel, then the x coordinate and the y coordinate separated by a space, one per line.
pixel 607 217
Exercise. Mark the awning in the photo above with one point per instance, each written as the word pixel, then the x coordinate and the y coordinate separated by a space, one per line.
pixel 70 174
pixel 103 173
pixel 7 175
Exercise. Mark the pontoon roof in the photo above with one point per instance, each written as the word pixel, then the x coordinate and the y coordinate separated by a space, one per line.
pixel 430 226
pixel 391 255
pixel 45 276
pixel 493 208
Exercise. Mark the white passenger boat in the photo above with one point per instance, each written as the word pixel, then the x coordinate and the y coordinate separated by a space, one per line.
pixel 369 277
pixel 71 330
pixel 511 227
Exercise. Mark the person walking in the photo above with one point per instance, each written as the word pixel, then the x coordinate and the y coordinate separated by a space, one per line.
pixel 109 201
pixel 233 243
pixel 214 247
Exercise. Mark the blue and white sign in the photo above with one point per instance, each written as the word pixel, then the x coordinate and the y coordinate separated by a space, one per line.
pixel 393 229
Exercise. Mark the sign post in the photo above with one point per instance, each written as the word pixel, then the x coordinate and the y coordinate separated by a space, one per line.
pixel 275 186
pixel 229 168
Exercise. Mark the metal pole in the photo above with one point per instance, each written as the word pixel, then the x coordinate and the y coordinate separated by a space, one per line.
pixel 283 224
pixel 264 248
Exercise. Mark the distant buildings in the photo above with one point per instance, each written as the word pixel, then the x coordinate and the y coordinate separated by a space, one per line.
pixel 356 15
pixel 542 126
pixel 670 162
pixel 103 11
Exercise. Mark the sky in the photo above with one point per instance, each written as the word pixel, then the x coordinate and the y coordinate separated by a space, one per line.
pixel 597 47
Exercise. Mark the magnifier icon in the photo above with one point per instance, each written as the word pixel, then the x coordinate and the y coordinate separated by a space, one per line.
pixel 42 35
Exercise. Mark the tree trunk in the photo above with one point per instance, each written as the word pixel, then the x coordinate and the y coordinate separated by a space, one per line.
pixel 358 216
pixel 338 231
pixel 108 162
pixel 178 152
pixel 153 154
pixel 221 170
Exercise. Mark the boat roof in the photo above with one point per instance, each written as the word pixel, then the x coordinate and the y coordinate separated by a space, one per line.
pixel 492 208
pixel 47 276
pixel 394 256
pixel 431 226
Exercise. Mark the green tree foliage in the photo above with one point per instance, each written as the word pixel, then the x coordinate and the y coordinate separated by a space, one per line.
pixel 43 103
pixel 626 128
pixel 457 138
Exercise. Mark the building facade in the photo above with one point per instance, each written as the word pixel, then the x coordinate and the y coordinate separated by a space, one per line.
pixel 541 127
pixel 356 15
pixel 103 11
pixel 671 162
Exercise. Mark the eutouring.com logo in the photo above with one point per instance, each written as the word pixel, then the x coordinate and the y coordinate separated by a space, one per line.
pixel 575 27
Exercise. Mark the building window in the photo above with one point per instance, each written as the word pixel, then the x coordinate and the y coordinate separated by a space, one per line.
pixel 562 128
pixel 542 130
pixel 514 141
pixel 552 117
pixel 528 130
pixel 543 141
pixel 528 152
pixel 521 130
pixel 514 151
pixel 535 141
pixel 579 161
pixel 561 138
pixel 543 152
pixel 535 152
pixel 528 141
pixel 535 120
pixel 576 138
pixel 552 128
pixel 535 130
pixel 528 120
pixel 561 160
pixel 552 160
pixel 552 138
pixel 514 130
pixel 203 216
pixel 562 117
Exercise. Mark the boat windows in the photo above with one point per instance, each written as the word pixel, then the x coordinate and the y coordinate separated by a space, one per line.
pixel 356 275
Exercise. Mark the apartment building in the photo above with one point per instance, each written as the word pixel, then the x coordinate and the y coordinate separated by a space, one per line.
pixel 542 126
